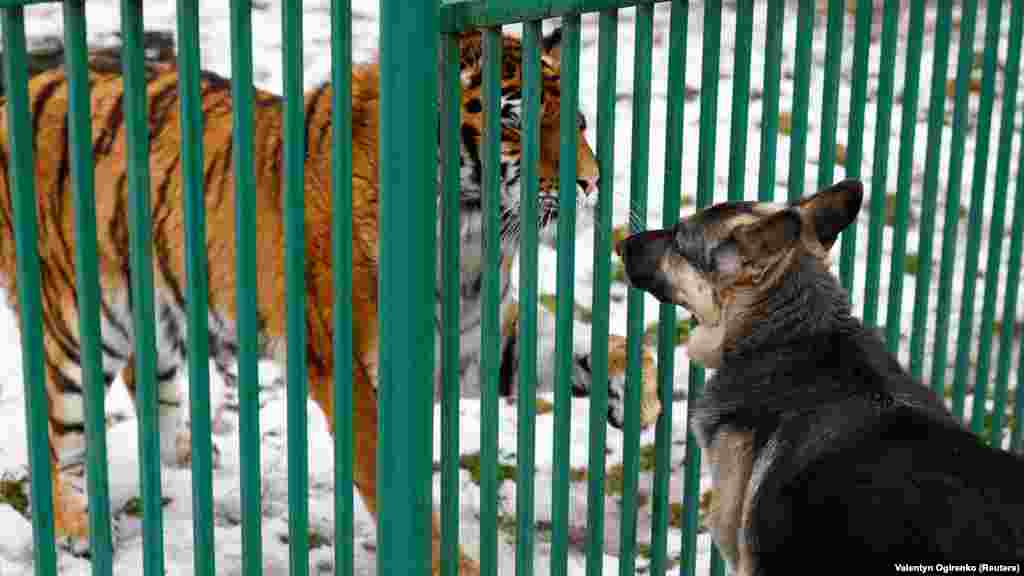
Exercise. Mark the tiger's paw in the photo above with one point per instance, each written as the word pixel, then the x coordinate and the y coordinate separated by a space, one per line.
pixel 650 406
pixel 71 514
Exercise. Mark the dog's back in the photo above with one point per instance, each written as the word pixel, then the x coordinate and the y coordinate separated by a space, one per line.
pixel 882 473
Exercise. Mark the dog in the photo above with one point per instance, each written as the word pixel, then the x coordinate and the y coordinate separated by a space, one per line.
pixel 816 438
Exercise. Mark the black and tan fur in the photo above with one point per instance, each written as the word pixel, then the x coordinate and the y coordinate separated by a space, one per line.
pixel 48 97
pixel 817 439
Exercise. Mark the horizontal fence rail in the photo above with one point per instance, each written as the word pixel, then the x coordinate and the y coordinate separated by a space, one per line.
pixel 806 136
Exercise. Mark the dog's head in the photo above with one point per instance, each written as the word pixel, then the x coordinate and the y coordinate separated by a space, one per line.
pixel 724 261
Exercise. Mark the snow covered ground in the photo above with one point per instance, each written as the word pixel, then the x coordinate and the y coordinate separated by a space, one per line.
pixel 45 21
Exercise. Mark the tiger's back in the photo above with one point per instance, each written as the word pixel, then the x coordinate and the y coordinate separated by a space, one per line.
pixel 48 102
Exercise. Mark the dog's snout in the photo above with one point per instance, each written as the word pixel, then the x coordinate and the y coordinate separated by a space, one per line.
pixel 642 254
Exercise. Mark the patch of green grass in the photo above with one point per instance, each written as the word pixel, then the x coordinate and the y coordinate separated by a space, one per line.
pixel 133 507
pixel 1009 421
pixel 648 456
pixel 911 263
pixel 618 271
pixel 471 462
pixel 997 327
pixel 577 474
pixel 13 493
pixel 643 550
pixel 675 515
pixel 619 233
pixel 890 209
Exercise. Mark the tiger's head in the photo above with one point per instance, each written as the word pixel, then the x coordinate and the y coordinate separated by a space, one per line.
pixel 472 136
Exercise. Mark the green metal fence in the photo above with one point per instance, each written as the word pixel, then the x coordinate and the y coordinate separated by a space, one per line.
pixel 414 33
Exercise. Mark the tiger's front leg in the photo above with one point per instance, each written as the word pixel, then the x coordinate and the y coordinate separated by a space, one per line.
pixel 582 380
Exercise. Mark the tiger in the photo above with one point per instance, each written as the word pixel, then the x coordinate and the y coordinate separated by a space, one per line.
pixel 48 99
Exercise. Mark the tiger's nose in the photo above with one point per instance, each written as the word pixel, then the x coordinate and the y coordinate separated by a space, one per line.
pixel 589 185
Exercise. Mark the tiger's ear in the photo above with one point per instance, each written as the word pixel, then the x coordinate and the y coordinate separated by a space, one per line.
pixel 552 44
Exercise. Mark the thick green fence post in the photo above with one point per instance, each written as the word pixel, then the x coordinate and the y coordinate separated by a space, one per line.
pixel 565 301
pixel 295 289
pixel 140 234
pixel 247 324
pixel 451 112
pixel 667 331
pixel 23 199
pixel 87 284
pixel 606 75
pixel 408 172
pixel 196 289
pixel 490 328
pixel 341 185
pixel 936 115
pixel 527 340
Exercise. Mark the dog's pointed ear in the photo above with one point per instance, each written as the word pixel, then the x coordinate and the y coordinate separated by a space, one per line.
pixel 752 243
pixel 551 44
pixel 831 210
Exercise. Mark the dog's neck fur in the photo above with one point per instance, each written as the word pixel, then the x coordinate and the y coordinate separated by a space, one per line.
pixel 802 325
pixel 804 301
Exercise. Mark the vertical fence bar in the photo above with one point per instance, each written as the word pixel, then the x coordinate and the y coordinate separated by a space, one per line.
pixel 567 130
pixel 451 109
pixel 1017 438
pixel 1013 273
pixel 490 351
pixel 140 237
pixel 22 192
pixel 341 185
pixel 974 218
pixel 705 194
pixel 638 176
pixel 408 209
pixel 527 340
pixel 196 289
pixel 667 339
pixel 953 184
pixel 936 115
pixel 903 175
pixel 87 283
pixel 606 77
pixel 247 325
pixel 830 92
pixel 996 227
pixel 880 164
pixel 801 94
pixel 855 135
pixel 295 290
pixel 770 105
pixel 740 99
